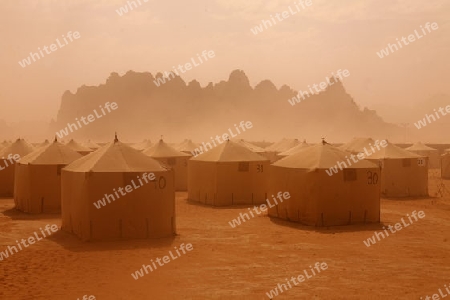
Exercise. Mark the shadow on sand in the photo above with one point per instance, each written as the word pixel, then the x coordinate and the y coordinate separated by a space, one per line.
pixel 72 243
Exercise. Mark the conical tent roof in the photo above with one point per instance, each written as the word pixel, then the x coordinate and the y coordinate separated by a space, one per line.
pixel 162 149
pixel 20 146
pixel 143 145
pixel 115 157
pixel 250 146
pixel 44 143
pixel 186 145
pixel 295 149
pixel 91 145
pixel 283 145
pixel 229 151
pixel 55 153
pixel 391 151
pixel 77 146
pixel 420 147
pixel 321 156
pixel 357 145
pixel 5 143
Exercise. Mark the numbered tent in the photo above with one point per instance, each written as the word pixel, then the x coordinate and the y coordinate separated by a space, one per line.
pixel 321 194
pixel 228 174
pixel 175 159
pixel 8 155
pixel 117 192
pixel 37 184
pixel 424 150
pixel 403 173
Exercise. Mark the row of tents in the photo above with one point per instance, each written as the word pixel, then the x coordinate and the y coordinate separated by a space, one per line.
pixel 58 177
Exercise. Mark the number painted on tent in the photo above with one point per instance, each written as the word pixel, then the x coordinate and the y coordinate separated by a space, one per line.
pixel 259 168
pixel 372 178
pixel 421 162
pixel 161 184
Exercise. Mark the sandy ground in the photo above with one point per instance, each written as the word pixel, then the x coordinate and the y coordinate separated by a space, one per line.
pixel 235 263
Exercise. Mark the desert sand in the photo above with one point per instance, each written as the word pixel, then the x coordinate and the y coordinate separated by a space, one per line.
pixel 236 263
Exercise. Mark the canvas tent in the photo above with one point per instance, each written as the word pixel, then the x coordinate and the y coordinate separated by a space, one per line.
pixel 357 145
pixel 352 195
pixel 403 173
pixel 228 174
pixel 424 150
pixel 78 147
pixel 187 146
pixel 294 150
pixel 146 210
pixel 278 147
pixel 91 145
pixel 44 143
pixel 21 148
pixel 142 145
pixel 250 146
pixel 37 184
pixel 172 158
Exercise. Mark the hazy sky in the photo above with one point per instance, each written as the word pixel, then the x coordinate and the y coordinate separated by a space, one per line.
pixel 299 51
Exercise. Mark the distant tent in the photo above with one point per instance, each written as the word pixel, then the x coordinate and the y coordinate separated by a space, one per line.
pixel 7 167
pixel 445 165
pixel 5 143
pixel 91 145
pixel 357 145
pixel 250 146
pixel 226 175
pixel 37 186
pixel 142 145
pixel 352 195
pixel 187 146
pixel 78 147
pixel 146 210
pixel 44 143
pixel 423 150
pixel 280 146
pixel 403 173
pixel 294 150
pixel 174 159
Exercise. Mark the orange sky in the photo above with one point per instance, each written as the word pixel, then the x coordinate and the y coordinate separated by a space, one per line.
pixel 299 51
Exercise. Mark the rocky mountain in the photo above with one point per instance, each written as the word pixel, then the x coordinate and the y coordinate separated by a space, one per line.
pixel 178 110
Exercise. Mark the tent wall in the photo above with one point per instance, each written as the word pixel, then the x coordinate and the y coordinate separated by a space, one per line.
pixel 433 157
pixel 7 178
pixel 41 186
pixel 349 201
pixel 146 212
pixel 22 186
pixel 445 166
pixel 179 165
pixel 202 181
pixel 321 200
pixel 404 177
pixel 228 183
pixel 241 183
